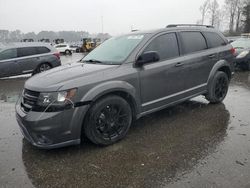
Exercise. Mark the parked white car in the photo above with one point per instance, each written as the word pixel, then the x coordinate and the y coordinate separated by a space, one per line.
pixel 64 48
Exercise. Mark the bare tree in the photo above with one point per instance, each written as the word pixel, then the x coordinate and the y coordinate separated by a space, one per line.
pixel 214 12
pixel 239 11
pixel 231 6
pixel 204 9
pixel 246 16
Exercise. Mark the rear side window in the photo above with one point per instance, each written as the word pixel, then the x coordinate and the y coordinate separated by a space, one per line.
pixel 61 46
pixel 166 45
pixel 26 51
pixel 42 50
pixel 8 54
pixel 214 40
pixel 192 41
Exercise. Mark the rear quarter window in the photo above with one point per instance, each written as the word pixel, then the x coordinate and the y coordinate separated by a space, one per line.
pixel 214 40
pixel 61 46
pixel 192 41
pixel 42 50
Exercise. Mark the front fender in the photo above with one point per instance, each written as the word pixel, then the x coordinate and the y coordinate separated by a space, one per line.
pixel 93 94
pixel 108 87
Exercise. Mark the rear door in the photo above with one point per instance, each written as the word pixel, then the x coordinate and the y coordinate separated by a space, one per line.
pixel 216 45
pixel 8 63
pixel 198 61
pixel 27 59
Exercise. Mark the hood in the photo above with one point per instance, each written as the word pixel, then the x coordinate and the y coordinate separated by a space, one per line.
pixel 55 78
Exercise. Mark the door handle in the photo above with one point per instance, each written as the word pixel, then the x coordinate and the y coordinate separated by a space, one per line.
pixel 212 56
pixel 179 64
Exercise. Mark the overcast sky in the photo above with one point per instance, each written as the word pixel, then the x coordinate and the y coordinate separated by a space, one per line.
pixel 118 15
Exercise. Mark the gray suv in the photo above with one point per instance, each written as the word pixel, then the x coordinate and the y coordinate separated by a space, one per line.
pixel 24 58
pixel 125 78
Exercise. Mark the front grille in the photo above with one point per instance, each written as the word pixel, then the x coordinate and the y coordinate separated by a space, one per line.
pixel 29 99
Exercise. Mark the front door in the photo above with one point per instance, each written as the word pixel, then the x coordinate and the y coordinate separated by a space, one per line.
pixel 161 81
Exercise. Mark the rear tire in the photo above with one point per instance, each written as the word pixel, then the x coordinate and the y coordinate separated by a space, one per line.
pixel 218 88
pixel 108 120
pixel 68 52
pixel 43 67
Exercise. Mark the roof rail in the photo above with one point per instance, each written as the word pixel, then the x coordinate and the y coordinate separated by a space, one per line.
pixel 192 25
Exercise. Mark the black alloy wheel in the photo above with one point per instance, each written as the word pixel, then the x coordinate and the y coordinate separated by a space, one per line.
pixel 221 88
pixel 218 88
pixel 43 67
pixel 108 120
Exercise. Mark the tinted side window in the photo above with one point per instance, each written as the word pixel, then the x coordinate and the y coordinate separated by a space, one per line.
pixel 42 50
pixel 60 46
pixel 166 45
pixel 8 54
pixel 192 42
pixel 26 51
pixel 214 40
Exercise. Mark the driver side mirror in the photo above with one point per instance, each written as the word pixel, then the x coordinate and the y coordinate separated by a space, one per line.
pixel 147 57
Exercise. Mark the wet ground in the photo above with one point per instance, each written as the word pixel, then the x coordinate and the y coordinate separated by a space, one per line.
pixel 194 144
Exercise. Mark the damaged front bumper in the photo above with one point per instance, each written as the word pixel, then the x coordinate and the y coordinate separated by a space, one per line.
pixel 48 130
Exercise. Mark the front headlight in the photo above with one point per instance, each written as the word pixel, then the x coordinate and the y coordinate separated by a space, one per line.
pixel 243 54
pixel 60 98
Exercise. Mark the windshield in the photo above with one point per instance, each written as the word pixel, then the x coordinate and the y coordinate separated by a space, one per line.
pixel 114 50
pixel 241 43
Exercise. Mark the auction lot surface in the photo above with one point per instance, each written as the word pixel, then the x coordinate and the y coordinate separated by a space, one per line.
pixel 194 144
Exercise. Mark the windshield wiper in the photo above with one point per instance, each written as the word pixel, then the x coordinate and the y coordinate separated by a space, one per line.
pixel 94 61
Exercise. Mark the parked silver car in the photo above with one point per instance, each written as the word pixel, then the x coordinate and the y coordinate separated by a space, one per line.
pixel 24 58
pixel 242 52
pixel 124 78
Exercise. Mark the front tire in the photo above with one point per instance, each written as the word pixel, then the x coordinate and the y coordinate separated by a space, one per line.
pixel 218 88
pixel 108 120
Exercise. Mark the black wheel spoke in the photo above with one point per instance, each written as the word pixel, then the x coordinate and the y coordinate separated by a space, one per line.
pixel 111 121
pixel 221 88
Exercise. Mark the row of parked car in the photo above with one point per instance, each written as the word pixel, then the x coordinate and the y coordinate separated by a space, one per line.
pixel 23 58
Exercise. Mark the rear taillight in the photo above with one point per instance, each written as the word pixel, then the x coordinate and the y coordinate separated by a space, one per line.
pixel 57 55
pixel 233 51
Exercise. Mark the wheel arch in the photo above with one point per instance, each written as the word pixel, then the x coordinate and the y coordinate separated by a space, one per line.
pixel 220 66
pixel 40 63
pixel 119 88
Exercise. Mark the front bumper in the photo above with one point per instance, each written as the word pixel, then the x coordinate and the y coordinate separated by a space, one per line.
pixel 48 130
pixel 241 62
